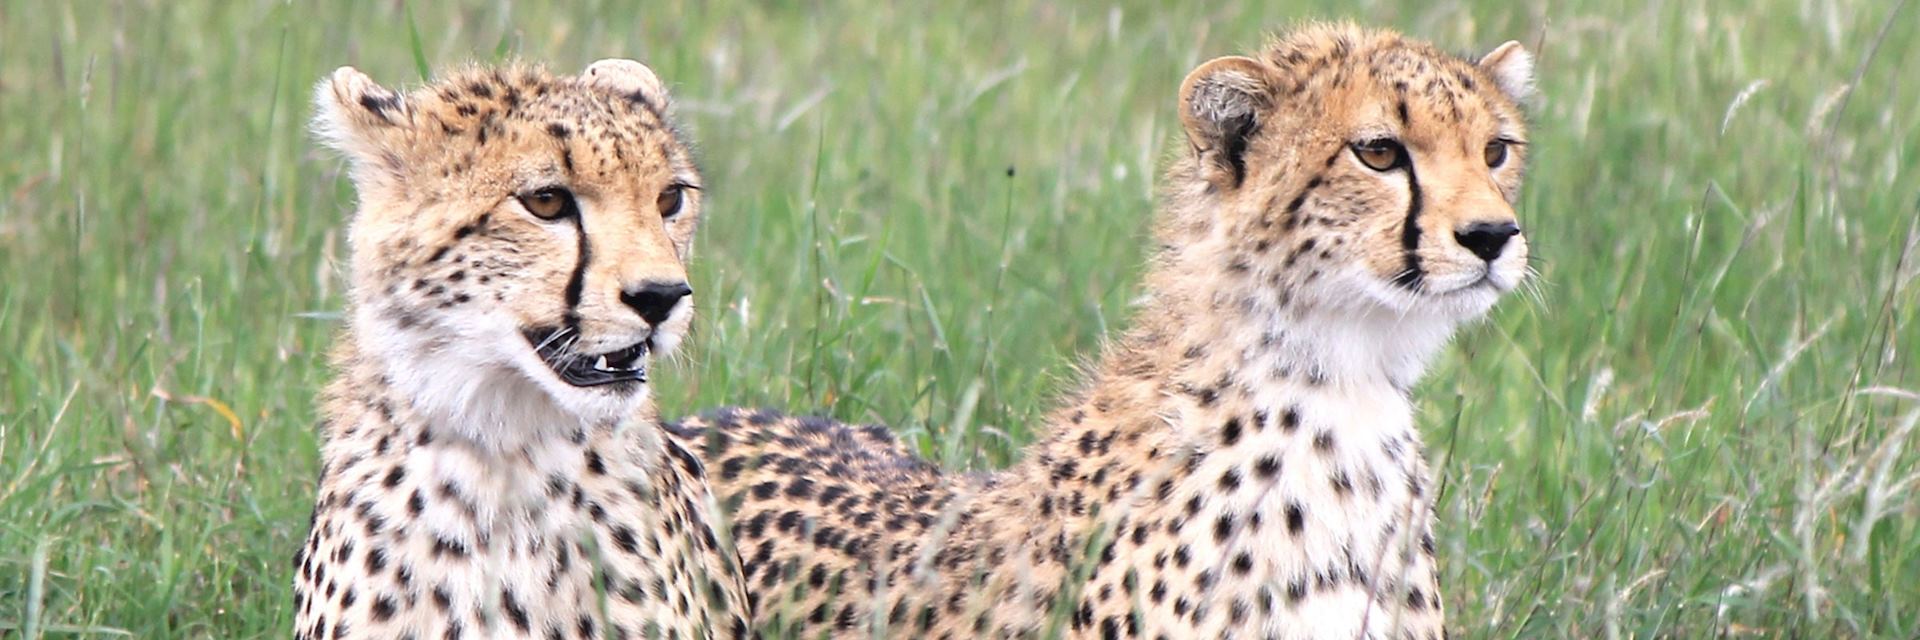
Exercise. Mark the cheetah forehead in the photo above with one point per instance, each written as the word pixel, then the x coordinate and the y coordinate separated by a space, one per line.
pixel 1419 77
pixel 481 106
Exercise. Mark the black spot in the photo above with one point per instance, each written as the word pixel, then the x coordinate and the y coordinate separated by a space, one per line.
pixel 1267 466
pixel 1242 563
pixel 1223 527
pixel 1230 433
pixel 382 609
pixel 1323 441
pixel 1296 519
pixel 595 465
pixel 624 538
pixel 376 560
pixel 394 476
pixel 790 521
pixel 515 612
pixel 1290 419
pixel 800 488
pixel 558 130
pixel 445 547
pixel 1230 480
pixel 731 469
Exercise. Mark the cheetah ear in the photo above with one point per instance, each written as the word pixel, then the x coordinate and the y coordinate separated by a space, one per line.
pixel 1221 104
pixel 1512 69
pixel 628 79
pixel 361 120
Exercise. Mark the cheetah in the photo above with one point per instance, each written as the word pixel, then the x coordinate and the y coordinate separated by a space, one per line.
pixel 1243 461
pixel 492 464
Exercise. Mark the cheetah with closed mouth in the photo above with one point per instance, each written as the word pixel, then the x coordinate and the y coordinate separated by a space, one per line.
pixel 1243 462
pixel 493 465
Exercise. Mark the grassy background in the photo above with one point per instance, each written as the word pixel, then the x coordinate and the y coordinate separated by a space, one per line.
pixel 926 213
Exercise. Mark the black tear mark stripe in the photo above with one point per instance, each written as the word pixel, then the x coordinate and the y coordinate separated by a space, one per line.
pixel 577 283
pixel 1410 231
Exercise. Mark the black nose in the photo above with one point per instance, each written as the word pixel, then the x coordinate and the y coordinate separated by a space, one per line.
pixel 654 299
pixel 1486 239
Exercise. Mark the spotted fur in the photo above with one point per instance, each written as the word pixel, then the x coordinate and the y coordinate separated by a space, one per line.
pixel 1243 461
pixel 468 489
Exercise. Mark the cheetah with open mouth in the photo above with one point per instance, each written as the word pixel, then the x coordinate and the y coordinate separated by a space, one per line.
pixel 493 465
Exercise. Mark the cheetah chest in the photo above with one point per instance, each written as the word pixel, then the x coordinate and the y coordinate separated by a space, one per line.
pixel 1305 517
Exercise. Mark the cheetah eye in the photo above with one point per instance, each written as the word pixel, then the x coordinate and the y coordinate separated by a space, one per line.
pixel 671 199
pixel 1380 154
pixel 1496 153
pixel 550 203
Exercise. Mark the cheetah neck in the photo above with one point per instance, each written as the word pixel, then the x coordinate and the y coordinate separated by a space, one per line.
pixel 377 425
pixel 1192 358
pixel 450 378
pixel 1232 387
pixel 1208 452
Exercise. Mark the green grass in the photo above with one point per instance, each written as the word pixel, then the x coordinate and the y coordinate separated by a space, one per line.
pixel 927 215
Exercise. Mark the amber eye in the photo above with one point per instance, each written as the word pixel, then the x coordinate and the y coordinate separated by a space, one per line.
pixel 1380 154
pixel 551 203
pixel 1496 153
pixel 671 199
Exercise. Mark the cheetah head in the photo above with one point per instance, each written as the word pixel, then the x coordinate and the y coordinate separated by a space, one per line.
pixel 1349 167
pixel 520 236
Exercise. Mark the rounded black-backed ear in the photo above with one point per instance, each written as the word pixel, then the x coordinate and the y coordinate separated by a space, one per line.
pixel 362 120
pixel 1511 67
pixel 1221 104
pixel 628 79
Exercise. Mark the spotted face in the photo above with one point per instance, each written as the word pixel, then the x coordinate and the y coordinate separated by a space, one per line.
pixel 1349 162
pixel 519 235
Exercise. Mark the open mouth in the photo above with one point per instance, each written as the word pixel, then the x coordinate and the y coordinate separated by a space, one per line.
pixel 620 366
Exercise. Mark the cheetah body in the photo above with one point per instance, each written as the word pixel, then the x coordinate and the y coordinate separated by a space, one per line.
pixel 492 464
pixel 1243 462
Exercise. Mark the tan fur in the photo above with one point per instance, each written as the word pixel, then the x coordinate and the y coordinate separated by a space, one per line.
pixel 1243 462
pixel 467 490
